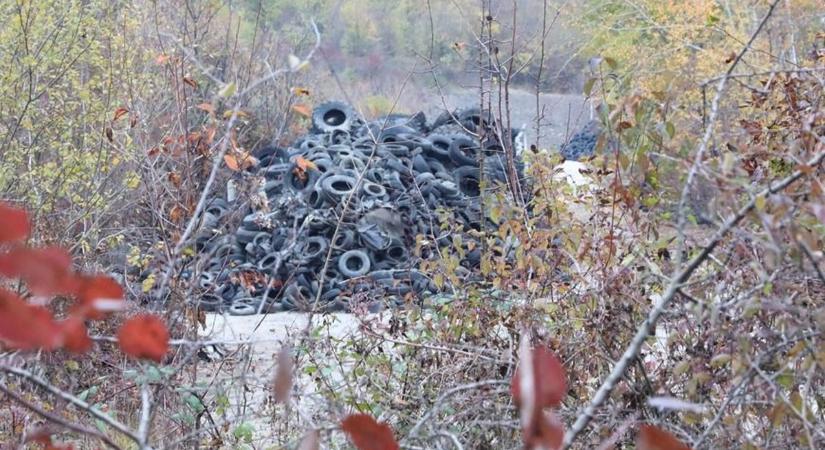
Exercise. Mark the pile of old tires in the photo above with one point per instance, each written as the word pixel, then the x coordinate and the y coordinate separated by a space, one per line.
pixel 343 230
pixel 583 144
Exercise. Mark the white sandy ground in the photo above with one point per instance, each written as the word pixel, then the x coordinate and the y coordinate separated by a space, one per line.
pixel 244 365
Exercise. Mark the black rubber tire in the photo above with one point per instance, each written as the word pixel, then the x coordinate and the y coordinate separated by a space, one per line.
pixel 464 151
pixel 338 186
pixel 295 183
pixel 267 263
pixel 440 148
pixel 467 180
pixel 330 116
pixel 227 292
pixel 241 308
pixel 245 236
pixel 361 267
pixel 210 303
pixel 269 155
pixel 314 248
pixel 398 254
pixel 344 240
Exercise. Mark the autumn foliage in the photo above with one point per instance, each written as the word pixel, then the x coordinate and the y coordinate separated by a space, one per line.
pixel 542 428
pixel 367 434
pixel 47 272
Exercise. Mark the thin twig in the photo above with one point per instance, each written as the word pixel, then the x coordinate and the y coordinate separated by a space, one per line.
pixel 57 419
pixel 123 429
pixel 714 111
pixel 217 163
pixel 662 302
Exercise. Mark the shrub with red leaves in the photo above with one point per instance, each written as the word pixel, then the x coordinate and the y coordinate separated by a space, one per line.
pixel 144 337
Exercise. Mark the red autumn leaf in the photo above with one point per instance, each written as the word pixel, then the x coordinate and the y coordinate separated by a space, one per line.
pixel 26 327
pixel 654 438
pixel 144 337
pixel 75 335
pixel 98 295
pixel 367 434
pixel 546 431
pixel 282 386
pixel 161 59
pixel 14 224
pixel 549 379
pixel 46 271
pixel 43 437
pixel 120 112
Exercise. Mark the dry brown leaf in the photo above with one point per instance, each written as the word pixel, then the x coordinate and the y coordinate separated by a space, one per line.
pixel 110 135
pixel 120 112
pixel 300 91
pixel 302 110
pixel 176 213
pixel 654 438
pixel 305 164
pixel 282 386
pixel 190 82
pixel 207 107
pixel 175 179
pixel 231 162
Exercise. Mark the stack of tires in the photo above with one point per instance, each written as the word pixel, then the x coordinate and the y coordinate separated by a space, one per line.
pixel 342 230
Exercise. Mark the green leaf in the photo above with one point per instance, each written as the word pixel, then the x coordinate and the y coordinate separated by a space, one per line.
pixel 588 86
pixel 671 129
pixel 244 432
pixel 194 403
pixel 228 90
pixel 87 393
pixel 785 379
pixel 720 360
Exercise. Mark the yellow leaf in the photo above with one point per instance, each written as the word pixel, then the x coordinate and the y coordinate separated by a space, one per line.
pixel 240 114
pixel 300 91
pixel 148 283
pixel 760 203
